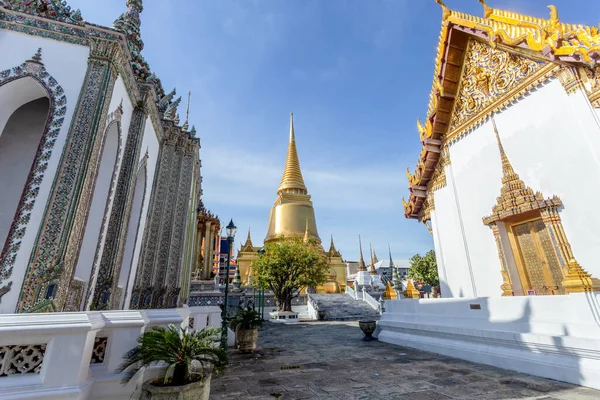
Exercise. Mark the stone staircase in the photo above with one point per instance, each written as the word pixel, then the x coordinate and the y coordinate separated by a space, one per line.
pixel 342 307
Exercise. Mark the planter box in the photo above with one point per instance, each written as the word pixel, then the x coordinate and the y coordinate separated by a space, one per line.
pixel 193 391
pixel 284 316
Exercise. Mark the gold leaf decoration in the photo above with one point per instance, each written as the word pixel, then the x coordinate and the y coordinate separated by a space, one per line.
pixel 489 73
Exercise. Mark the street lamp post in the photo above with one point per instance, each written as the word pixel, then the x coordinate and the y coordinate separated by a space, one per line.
pixel 231 228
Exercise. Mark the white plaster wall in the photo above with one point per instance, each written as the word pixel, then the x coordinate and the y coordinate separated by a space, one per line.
pixel 67 63
pixel 449 243
pixel 150 145
pixel 84 267
pixel 552 141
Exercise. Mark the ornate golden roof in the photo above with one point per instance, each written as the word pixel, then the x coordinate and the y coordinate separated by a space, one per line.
pixel 544 40
pixel 333 252
pixel 292 175
pixel 248 245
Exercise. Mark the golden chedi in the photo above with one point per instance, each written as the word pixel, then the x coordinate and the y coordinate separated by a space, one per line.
pixel 293 216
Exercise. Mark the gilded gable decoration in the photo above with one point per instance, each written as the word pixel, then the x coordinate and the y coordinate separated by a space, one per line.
pixel 488 74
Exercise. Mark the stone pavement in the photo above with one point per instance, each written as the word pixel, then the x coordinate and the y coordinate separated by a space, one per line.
pixel 328 360
pixel 342 307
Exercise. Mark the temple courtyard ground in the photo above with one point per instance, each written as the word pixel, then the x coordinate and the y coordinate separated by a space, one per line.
pixel 328 360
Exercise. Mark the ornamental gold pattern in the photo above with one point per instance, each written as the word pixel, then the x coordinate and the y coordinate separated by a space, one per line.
pixel 488 74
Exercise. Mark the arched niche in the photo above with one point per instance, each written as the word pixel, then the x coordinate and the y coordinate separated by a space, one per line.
pixel 128 268
pixel 32 109
pixel 93 237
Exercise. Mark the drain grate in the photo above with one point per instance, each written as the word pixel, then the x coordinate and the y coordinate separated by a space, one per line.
pixel 291 367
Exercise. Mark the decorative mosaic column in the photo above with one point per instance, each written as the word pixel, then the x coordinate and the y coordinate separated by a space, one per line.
pixel 143 288
pixel 55 253
pixel 105 294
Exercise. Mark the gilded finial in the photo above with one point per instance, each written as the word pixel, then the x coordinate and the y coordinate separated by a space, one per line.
pixel 445 10
pixel 487 11
pixel 554 14
pixel 187 112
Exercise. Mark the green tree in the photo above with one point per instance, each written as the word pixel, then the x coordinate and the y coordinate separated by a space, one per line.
pixel 424 268
pixel 288 266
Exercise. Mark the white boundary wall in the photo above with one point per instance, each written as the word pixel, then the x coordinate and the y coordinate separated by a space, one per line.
pixel 66 372
pixel 555 337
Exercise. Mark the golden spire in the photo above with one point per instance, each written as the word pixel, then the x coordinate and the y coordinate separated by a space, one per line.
pixel 187 112
pixel 361 263
pixel 372 270
pixel 332 250
pixel 515 196
pixel 508 172
pixel 292 176
pixel 248 245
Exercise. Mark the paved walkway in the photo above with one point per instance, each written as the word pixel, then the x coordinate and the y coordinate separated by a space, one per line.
pixel 327 360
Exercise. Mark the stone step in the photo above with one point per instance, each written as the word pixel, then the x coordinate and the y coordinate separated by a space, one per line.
pixel 342 307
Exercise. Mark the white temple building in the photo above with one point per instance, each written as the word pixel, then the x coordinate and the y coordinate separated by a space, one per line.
pixel 99 180
pixel 507 183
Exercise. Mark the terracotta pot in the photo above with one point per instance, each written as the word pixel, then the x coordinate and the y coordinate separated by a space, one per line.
pixel 368 327
pixel 192 391
pixel 246 339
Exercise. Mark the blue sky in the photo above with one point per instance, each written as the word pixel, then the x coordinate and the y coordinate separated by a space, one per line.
pixel 356 74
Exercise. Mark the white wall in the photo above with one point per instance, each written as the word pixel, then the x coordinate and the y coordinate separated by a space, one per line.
pixel 67 63
pixel 555 337
pixel 149 144
pixel 450 243
pixel 552 141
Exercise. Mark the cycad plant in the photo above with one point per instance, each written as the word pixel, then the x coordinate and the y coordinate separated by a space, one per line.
pixel 246 319
pixel 179 349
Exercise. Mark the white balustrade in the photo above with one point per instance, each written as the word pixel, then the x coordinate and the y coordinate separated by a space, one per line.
pixel 367 298
pixel 75 355
pixel 350 291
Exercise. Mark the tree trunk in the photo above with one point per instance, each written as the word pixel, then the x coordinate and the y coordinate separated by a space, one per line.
pixel 180 375
pixel 284 302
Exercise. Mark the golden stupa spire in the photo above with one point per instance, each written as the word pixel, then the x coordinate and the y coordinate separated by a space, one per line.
pixel 361 263
pixel 508 172
pixel 372 270
pixel 292 176
pixel 332 250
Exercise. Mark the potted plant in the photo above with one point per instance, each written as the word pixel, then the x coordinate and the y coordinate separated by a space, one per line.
pixel 321 314
pixel 190 358
pixel 245 324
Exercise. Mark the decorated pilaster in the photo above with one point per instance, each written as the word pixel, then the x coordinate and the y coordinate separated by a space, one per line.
pixel 56 251
pixel 105 293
